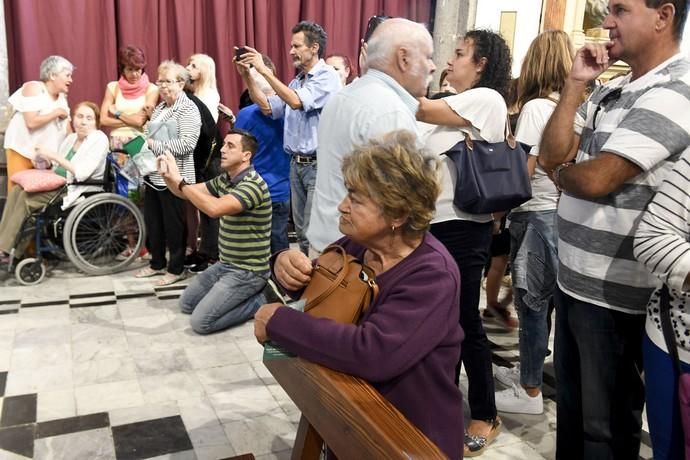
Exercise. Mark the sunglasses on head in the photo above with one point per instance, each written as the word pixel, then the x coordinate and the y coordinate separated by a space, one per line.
pixel 373 23
pixel 611 97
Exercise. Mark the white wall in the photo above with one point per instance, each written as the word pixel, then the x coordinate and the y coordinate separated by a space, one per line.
pixel 526 27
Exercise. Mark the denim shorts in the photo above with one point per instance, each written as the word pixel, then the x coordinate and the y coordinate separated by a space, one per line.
pixel 533 257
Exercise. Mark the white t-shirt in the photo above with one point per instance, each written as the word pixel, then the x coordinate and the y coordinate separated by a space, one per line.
pixel 211 98
pixel 530 126
pixel 486 110
pixel 23 140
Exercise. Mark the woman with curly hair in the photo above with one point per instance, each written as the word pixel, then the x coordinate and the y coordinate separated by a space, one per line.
pixel 480 72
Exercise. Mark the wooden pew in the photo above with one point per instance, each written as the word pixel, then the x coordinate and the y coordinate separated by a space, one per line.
pixel 346 413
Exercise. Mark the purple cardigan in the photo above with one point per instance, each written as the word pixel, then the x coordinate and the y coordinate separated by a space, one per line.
pixel 406 345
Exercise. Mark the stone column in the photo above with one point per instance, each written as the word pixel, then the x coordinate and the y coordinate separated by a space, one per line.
pixel 452 19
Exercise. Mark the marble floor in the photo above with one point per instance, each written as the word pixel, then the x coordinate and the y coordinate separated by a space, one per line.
pixel 108 368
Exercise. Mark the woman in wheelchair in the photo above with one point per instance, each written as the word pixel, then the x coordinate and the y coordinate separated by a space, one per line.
pixel 81 157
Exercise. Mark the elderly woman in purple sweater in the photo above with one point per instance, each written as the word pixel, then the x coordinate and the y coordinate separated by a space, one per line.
pixel 407 344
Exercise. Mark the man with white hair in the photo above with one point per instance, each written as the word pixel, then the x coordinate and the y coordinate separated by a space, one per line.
pixel 399 59
pixel 270 160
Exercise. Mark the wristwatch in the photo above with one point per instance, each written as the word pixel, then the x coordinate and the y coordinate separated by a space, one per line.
pixel 182 184
pixel 117 114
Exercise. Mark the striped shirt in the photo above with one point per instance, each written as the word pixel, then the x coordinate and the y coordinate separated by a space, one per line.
pixel 662 243
pixel 646 122
pixel 244 239
pixel 188 120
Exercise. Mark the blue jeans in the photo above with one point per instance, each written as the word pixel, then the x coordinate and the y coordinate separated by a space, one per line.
pixel 598 359
pixel 302 181
pixel 663 413
pixel 533 265
pixel 279 224
pixel 222 296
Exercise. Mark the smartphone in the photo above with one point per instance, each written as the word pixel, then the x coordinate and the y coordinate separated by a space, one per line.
pixel 226 111
pixel 240 51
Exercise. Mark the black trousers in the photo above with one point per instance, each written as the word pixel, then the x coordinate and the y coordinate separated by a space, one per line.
pixel 468 242
pixel 164 214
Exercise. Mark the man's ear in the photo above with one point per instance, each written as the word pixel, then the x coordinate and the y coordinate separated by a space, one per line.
pixel 402 58
pixel 665 15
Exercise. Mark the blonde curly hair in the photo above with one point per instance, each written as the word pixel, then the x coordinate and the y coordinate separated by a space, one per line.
pixel 397 175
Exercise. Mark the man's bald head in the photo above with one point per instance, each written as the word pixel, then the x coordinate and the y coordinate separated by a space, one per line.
pixel 391 35
pixel 402 49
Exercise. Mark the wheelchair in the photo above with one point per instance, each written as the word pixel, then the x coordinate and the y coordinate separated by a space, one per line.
pixel 91 234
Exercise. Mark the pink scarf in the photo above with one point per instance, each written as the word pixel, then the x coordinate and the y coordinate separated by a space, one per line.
pixel 133 91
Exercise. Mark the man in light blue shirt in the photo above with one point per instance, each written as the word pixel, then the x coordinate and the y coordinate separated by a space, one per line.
pixel 300 104
pixel 399 59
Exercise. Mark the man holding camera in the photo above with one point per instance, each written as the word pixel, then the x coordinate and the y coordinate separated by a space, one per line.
pixel 300 104
pixel 229 291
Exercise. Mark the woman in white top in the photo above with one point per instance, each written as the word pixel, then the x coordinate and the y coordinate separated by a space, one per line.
pixel 41 116
pixel 202 72
pixel 479 71
pixel 534 238
pixel 128 101
pixel 80 157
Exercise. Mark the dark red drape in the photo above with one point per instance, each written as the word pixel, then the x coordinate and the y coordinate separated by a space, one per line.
pixel 89 32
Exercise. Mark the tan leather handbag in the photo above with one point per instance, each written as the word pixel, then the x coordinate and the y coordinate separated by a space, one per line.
pixel 341 288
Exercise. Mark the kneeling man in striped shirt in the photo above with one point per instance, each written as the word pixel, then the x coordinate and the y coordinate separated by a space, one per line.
pixel 228 292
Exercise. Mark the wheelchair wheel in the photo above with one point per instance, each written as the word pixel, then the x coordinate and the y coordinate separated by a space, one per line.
pixel 30 271
pixel 99 229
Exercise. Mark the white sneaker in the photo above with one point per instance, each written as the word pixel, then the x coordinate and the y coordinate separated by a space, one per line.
pixel 508 376
pixel 515 400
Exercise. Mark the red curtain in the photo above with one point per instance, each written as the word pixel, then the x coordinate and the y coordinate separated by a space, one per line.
pixel 88 33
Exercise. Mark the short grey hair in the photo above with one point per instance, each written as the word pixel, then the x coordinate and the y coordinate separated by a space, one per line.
pixel 181 74
pixel 391 35
pixel 53 65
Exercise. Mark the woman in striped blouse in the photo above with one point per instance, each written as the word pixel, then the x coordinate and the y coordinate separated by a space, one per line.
pixel 662 243
pixel 174 127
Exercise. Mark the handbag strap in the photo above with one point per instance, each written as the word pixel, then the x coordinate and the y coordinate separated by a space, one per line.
pixel 509 137
pixel 336 282
pixel 667 328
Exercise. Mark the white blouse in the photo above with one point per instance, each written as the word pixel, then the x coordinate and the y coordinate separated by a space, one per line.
pixel 23 140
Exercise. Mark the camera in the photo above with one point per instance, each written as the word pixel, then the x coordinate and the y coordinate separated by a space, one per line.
pixel 240 51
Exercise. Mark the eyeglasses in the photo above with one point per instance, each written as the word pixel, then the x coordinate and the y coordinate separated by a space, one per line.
pixel 611 96
pixel 166 82
pixel 373 23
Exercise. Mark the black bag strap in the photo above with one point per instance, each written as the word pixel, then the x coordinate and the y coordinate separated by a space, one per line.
pixel 667 328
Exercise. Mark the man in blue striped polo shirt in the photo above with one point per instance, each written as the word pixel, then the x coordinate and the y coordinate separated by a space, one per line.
pixel 623 139
pixel 228 292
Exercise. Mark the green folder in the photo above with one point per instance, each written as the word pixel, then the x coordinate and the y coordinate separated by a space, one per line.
pixel 134 145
